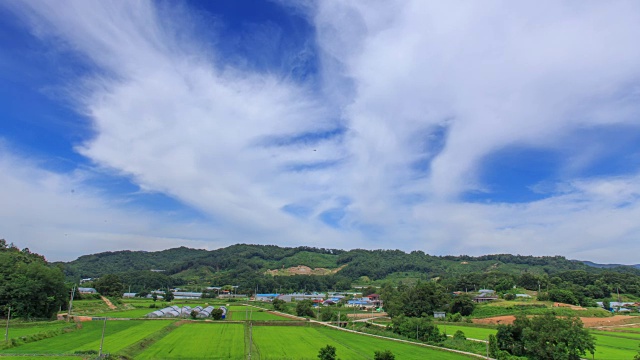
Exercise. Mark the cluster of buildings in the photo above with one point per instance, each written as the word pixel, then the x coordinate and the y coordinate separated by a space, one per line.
pixel 621 307
pixel 326 299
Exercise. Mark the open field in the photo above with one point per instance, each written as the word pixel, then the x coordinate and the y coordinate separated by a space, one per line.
pixel 255 315
pixel 609 345
pixel 469 331
pixel 132 314
pixel 289 342
pixel 17 330
pixel 85 307
pixel 20 357
pixel 199 341
pixel 532 307
pixel 613 347
pixel 118 335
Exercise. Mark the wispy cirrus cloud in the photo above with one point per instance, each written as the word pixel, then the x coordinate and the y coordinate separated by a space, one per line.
pixel 412 98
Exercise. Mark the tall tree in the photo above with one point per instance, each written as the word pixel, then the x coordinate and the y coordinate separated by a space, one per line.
pixel 327 353
pixel 109 285
pixel 28 285
pixel 545 337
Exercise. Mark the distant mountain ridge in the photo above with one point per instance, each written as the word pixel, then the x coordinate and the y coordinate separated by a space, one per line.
pixel 256 260
pixel 607 266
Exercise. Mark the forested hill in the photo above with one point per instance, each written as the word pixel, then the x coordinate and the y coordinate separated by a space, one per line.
pixel 374 264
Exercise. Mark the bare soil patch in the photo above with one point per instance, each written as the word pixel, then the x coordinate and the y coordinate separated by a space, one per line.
pixel 587 321
pixel 303 270
pixel 366 316
pixel 109 304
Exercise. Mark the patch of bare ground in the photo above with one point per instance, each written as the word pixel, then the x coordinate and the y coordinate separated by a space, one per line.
pixel 109 304
pixel 304 270
pixel 367 316
pixel 589 322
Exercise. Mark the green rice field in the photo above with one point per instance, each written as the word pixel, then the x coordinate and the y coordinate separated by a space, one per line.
pixel 469 331
pixel 126 314
pixel 153 339
pixel 20 357
pixel 609 345
pixel 26 329
pixel 199 341
pixel 254 315
pixel 118 335
pixel 615 346
pixel 86 307
pixel 293 342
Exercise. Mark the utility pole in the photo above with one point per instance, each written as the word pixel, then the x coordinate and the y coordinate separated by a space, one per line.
pixel 104 325
pixel 6 333
pixel 487 347
pixel 73 292
pixel 250 339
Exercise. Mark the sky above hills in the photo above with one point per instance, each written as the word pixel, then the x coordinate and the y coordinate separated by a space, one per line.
pixel 448 127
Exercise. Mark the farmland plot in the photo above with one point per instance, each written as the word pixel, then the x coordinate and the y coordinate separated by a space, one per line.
pixel 199 341
pixel 254 315
pixel 615 346
pixel 118 335
pixel 131 314
pixel 469 331
pixel 609 345
pixel 26 329
pixel 280 342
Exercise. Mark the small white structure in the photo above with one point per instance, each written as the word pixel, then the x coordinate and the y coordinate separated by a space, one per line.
pixel 439 314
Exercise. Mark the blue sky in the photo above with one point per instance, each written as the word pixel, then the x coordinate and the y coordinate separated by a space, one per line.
pixel 457 128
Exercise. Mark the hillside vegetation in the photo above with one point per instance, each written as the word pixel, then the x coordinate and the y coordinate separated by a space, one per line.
pixel 261 267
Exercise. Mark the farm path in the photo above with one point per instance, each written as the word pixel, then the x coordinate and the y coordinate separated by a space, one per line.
pixel 109 303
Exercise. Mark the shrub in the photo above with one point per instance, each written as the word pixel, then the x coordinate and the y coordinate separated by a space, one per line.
pixel 384 355
pixel 327 353
pixel 459 335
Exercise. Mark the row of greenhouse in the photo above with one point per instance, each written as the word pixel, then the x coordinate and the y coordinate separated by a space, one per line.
pixel 185 311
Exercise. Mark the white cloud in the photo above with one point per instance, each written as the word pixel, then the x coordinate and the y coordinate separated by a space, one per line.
pixel 443 85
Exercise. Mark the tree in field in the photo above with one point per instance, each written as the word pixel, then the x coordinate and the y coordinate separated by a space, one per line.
pixel 423 328
pixel 384 355
pixel 109 285
pixel 216 314
pixel 423 298
pixel 326 313
pixel 327 353
pixel 304 308
pixel 279 305
pixel 463 305
pixel 563 296
pixel 553 338
pixel 168 295
pixel 637 357
pixel 545 337
pixel 28 285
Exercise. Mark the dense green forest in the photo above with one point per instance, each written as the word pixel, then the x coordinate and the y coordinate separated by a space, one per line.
pixel 35 288
pixel 29 286
pixel 246 266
